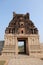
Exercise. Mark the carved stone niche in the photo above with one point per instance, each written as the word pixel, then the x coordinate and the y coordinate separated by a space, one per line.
pixel 35 31
pixel 21 24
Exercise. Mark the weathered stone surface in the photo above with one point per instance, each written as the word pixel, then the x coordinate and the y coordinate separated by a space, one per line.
pixel 25 60
pixel 21 23
pixel 21 28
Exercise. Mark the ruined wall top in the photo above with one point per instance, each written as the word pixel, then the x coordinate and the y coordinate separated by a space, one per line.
pixel 21 24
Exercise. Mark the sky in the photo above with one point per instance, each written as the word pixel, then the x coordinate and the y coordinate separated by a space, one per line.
pixel 34 7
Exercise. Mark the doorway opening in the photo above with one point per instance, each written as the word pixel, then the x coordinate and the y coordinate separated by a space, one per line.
pixel 22 46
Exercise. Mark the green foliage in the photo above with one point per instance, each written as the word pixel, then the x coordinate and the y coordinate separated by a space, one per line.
pixel 21 48
pixel 2 62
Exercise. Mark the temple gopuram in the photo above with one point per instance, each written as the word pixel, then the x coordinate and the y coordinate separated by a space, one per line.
pixel 21 28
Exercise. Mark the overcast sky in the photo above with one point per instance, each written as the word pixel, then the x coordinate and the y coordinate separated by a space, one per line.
pixel 34 7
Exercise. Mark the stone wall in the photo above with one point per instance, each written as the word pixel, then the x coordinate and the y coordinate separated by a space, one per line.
pixel 11 44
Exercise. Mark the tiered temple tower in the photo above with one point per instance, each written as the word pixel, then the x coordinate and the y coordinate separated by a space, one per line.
pixel 21 28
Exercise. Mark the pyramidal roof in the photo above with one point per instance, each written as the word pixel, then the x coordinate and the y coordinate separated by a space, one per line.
pixel 21 24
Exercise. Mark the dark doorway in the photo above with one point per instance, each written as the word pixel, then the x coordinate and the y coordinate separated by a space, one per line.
pixel 22 46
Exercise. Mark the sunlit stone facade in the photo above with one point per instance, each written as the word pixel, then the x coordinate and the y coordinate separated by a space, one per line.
pixel 21 28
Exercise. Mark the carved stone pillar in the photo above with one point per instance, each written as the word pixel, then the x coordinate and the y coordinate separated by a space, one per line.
pixel 16 41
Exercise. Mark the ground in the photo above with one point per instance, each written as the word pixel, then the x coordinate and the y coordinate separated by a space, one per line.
pixel 2 62
pixel 22 60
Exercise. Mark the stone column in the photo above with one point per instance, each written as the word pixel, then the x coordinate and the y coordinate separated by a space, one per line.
pixel 28 46
pixel 16 45
pixel 33 31
pixel 27 50
pixel 29 41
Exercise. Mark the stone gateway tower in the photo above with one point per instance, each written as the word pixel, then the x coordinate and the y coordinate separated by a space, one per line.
pixel 21 28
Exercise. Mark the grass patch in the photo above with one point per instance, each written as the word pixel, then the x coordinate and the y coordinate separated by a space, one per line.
pixel 2 62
